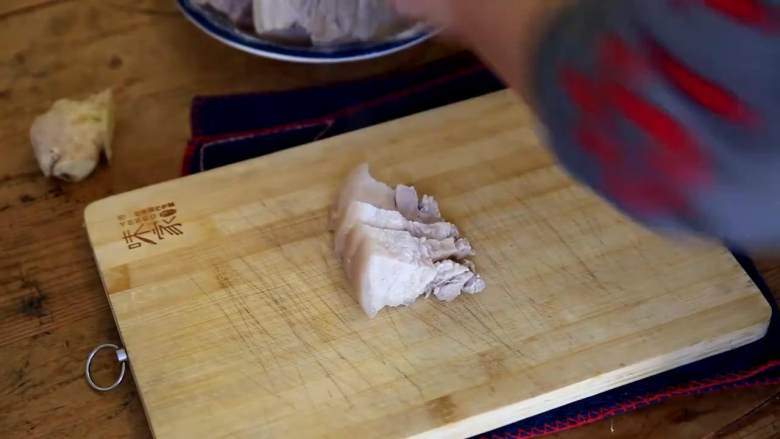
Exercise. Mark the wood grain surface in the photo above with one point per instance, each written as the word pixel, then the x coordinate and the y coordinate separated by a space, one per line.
pixel 52 307
pixel 238 320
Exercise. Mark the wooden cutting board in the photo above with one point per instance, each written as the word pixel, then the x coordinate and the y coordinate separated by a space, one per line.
pixel 238 322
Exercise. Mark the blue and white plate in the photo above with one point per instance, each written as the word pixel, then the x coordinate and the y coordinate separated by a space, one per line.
pixel 223 30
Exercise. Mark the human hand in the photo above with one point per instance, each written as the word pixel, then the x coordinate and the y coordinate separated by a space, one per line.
pixel 438 12
pixel 503 32
pixel 455 17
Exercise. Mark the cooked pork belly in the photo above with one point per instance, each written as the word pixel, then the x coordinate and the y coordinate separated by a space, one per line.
pixel 328 21
pixel 360 212
pixel 361 186
pixel 441 249
pixel 395 247
pixel 411 207
pixel 388 268
pixel 452 279
pixel 393 268
pixel 238 11
pixel 434 249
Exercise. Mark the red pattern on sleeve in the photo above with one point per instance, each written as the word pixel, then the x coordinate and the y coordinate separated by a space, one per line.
pixel 617 59
pixel 581 90
pixel 604 149
pixel 748 12
pixel 671 141
pixel 653 181
pixel 646 197
pixel 700 89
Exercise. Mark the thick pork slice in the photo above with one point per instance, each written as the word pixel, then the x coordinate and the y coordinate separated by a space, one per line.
pixel 328 21
pixel 360 212
pixel 434 250
pixel 388 268
pixel 395 247
pixel 393 268
pixel 361 186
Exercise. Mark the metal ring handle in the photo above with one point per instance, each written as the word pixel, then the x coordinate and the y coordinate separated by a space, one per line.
pixel 121 357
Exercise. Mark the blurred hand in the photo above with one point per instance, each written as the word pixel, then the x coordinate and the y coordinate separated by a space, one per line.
pixel 503 32
pixel 438 12
pixel 457 17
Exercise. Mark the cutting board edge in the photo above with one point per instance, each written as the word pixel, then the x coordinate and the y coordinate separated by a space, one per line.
pixel 468 427
pixel 91 216
pixel 129 363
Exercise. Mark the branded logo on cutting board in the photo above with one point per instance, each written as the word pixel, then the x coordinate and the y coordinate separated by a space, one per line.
pixel 150 226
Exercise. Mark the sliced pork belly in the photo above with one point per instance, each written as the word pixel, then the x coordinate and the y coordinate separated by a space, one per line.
pixel 388 268
pixel 434 249
pixel 360 212
pixel 393 268
pixel 452 279
pixel 441 249
pixel 409 204
pixel 238 11
pixel 361 186
pixel 396 247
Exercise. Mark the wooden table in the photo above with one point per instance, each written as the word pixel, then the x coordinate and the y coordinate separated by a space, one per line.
pixel 52 306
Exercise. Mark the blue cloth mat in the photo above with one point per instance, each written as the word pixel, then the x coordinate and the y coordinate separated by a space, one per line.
pixel 228 129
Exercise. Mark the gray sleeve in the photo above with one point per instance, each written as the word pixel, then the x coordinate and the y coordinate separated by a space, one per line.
pixel 670 110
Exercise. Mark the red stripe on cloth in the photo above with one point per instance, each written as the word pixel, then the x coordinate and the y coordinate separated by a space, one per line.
pixel 186 161
pixel 700 89
pixel 748 12
pixel 728 381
